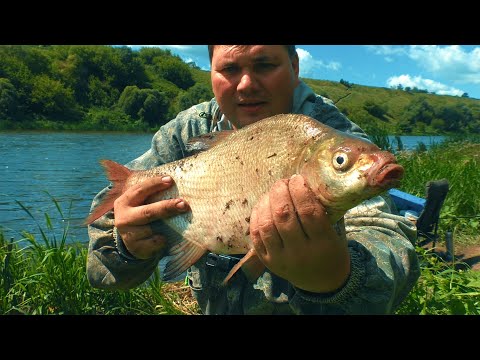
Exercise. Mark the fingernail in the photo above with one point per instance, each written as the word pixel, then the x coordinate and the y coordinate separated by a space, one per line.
pixel 167 179
pixel 181 205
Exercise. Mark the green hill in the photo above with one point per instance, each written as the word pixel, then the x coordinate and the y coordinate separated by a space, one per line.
pixel 95 87
pixel 402 112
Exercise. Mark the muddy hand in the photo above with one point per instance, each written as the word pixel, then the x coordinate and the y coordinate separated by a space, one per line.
pixel 133 217
pixel 294 238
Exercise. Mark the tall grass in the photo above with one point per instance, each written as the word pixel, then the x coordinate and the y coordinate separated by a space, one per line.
pixel 49 277
pixel 459 163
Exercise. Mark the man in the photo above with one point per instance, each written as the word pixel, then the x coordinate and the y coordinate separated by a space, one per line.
pixel 366 266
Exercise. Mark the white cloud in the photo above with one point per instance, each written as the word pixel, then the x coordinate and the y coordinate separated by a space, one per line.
pixel 451 62
pixel 421 83
pixel 387 50
pixel 310 67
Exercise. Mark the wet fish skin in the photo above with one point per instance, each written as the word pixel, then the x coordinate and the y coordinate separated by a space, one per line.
pixel 223 183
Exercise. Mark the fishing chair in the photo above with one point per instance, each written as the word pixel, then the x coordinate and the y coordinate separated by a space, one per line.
pixel 427 222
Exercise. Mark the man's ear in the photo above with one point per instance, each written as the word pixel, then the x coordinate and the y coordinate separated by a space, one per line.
pixel 296 64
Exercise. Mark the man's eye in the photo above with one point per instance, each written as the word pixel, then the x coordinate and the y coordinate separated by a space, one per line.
pixel 230 69
pixel 264 66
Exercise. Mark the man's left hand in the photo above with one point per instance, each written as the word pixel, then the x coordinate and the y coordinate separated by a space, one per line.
pixel 293 237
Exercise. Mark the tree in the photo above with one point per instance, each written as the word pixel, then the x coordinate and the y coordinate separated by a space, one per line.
pixel 148 105
pixel 154 109
pixel 419 109
pixel 176 71
pixel 456 117
pixel 8 99
pixel 100 93
pixel 465 95
pixel 52 99
pixel 149 54
pixel 196 94
pixel 346 83
pixel 375 109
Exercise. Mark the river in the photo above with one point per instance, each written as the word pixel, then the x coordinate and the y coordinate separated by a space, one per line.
pixel 38 166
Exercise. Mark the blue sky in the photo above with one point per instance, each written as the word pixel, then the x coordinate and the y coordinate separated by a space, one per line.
pixel 444 69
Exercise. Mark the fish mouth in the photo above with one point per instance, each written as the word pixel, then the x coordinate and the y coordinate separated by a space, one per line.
pixel 386 173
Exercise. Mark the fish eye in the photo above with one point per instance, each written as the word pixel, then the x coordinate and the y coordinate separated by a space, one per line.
pixel 340 160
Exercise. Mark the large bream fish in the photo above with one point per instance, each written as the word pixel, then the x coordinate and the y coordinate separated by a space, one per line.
pixel 224 182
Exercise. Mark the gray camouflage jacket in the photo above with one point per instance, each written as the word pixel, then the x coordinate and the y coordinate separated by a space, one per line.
pixel 384 265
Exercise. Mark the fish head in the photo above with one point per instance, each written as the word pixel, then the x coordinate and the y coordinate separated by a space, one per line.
pixel 345 170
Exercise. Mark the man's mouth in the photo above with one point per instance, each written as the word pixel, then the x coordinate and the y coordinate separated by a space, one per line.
pixel 251 103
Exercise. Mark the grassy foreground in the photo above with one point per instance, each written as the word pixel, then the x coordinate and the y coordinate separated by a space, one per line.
pixel 49 275
pixel 48 279
pixel 51 278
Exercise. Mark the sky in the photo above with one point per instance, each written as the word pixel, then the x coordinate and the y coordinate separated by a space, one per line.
pixel 443 69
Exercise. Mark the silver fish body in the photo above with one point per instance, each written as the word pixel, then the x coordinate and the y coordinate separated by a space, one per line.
pixel 223 183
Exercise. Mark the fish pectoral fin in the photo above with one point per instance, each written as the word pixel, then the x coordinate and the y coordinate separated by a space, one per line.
pixel 183 255
pixel 251 270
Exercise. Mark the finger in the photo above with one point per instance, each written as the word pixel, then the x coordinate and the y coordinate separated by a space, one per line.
pixel 255 234
pixel 130 234
pixel 148 247
pixel 145 214
pixel 284 216
pixel 310 212
pixel 266 227
pixel 138 193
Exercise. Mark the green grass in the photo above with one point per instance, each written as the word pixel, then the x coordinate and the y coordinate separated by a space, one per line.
pixel 351 101
pixel 459 163
pixel 42 279
pixel 49 275
pixel 442 289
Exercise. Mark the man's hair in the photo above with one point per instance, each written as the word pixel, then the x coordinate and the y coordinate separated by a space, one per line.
pixel 292 51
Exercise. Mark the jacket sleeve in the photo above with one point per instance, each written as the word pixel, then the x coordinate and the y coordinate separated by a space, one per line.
pixel 384 265
pixel 109 265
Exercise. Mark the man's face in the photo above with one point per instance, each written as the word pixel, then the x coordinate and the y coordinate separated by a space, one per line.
pixel 252 82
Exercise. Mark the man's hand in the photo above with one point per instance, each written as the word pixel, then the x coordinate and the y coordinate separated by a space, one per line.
pixel 293 237
pixel 133 218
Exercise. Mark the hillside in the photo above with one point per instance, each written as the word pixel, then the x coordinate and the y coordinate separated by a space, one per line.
pixel 96 87
pixel 401 112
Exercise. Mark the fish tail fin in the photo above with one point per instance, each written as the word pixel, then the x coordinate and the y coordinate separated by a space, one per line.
pixel 118 175
pixel 253 267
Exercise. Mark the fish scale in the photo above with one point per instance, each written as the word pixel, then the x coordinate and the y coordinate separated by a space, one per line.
pixel 224 182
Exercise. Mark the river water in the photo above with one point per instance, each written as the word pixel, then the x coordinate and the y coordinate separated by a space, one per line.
pixel 38 166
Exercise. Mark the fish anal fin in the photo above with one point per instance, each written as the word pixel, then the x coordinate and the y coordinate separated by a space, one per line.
pixel 206 141
pixel 251 270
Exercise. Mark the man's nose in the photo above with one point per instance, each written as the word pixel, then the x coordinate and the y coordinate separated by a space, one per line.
pixel 247 81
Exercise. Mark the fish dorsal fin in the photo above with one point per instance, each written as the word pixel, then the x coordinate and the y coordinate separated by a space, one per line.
pixel 206 141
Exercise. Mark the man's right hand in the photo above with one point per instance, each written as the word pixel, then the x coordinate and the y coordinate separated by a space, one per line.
pixel 133 217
